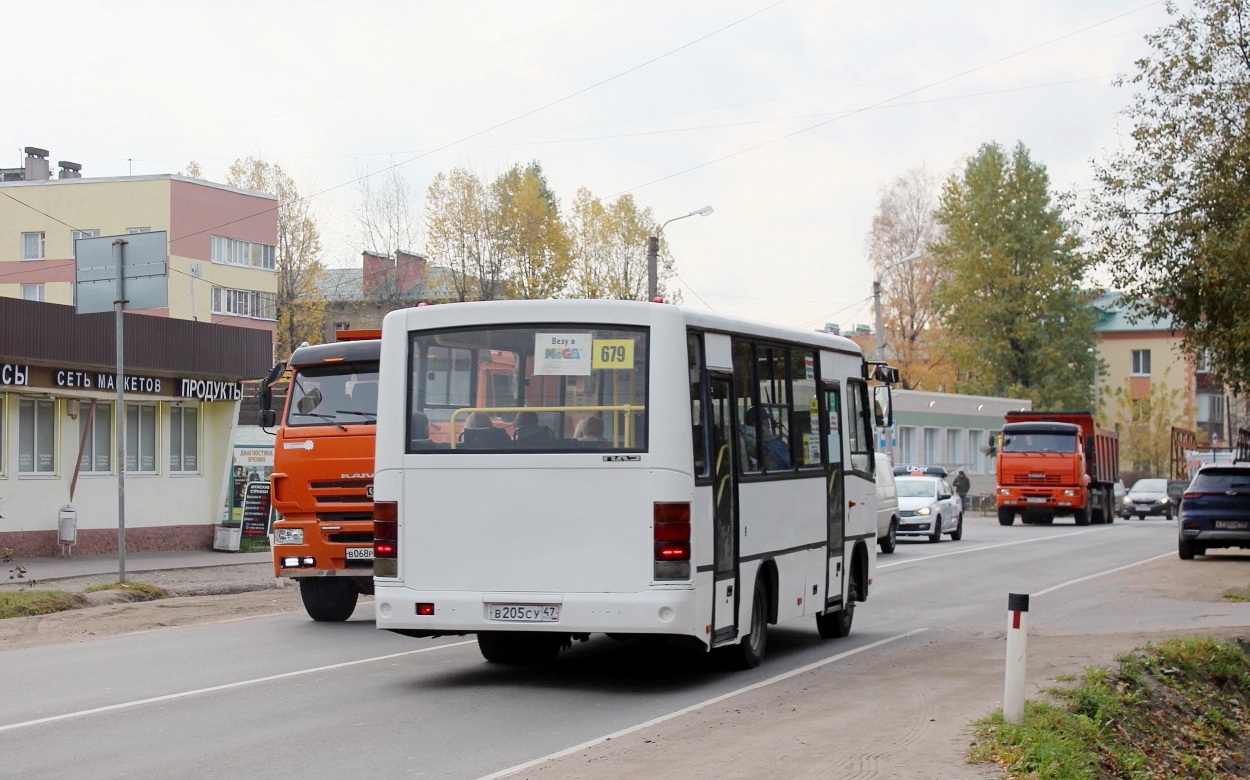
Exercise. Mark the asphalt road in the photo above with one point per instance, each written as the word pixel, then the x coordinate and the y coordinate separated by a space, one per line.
pixel 282 696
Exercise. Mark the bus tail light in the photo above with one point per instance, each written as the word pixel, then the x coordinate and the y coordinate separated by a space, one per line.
pixel 385 538
pixel 671 524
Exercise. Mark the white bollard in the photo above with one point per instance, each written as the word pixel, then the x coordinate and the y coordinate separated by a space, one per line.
pixel 1017 652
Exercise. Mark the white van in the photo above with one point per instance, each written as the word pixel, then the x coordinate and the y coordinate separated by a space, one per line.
pixel 887 504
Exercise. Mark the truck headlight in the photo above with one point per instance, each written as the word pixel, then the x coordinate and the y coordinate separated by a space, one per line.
pixel 924 510
pixel 1069 492
pixel 288 536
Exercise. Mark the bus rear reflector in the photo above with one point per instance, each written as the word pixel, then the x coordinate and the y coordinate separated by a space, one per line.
pixel 671 534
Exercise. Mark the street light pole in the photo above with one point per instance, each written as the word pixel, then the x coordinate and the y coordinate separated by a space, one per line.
pixel 653 253
pixel 876 300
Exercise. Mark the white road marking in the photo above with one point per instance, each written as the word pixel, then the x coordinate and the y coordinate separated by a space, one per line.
pixel 692 708
pixel 966 550
pixel 1054 588
pixel 226 686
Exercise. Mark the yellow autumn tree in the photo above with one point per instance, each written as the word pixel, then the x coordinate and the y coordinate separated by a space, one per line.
pixel 300 304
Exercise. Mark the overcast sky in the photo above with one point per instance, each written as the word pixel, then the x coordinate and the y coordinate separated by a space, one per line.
pixel 789 118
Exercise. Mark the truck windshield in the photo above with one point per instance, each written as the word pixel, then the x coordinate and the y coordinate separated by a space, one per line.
pixel 340 394
pixel 1024 441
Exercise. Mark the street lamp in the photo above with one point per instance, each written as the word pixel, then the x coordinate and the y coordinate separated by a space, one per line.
pixel 653 252
pixel 876 300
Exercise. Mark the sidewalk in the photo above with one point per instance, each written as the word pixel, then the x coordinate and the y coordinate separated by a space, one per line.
pixel 60 568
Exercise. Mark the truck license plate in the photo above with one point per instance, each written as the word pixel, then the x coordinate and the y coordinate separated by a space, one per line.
pixel 1231 525
pixel 523 613
pixel 359 553
pixel 1035 500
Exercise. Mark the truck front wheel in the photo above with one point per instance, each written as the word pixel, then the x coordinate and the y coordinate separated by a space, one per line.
pixel 1006 516
pixel 328 599
pixel 1081 516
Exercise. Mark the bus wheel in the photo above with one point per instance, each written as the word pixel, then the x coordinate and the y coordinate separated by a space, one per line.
pixel 518 648
pixel 836 625
pixel 1006 516
pixel 328 599
pixel 748 653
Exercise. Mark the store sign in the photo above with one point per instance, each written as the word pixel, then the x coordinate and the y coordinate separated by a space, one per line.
pixel 206 390
pixel 98 381
pixel 11 374
pixel 210 390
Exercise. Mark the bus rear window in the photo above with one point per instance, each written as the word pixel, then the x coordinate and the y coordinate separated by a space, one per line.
pixel 547 388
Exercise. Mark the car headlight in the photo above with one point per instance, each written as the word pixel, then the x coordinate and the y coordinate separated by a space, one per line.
pixel 1164 500
pixel 1128 500
pixel 288 536
pixel 924 510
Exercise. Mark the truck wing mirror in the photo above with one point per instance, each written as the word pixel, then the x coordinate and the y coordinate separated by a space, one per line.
pixel 268 417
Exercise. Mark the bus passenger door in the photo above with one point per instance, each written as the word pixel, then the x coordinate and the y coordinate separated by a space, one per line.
pixel 835 490
pixel 724 511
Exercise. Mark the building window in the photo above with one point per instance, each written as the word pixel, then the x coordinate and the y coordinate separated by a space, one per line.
pixel 32 292
pixel 141 438
pixel 931 454
pixel 342 326
pixel 36 436
pixel 77 234
pixel 1203 364
pixel 907 452
pixel 954 452
pixel 96 435
pixel 233 251
pixel 32 246
pixel 1141 362
pixel 139 230
pixel 976 440
pixel 184 440
pixel 244 303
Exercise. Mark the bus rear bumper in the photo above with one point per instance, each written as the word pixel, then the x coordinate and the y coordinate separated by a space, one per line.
pixel 666 611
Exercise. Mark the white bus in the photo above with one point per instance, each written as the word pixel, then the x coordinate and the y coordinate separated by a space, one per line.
pixel 652 472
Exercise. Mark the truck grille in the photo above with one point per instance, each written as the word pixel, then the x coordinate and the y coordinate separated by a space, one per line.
pixel 1039 479
pixel 347 491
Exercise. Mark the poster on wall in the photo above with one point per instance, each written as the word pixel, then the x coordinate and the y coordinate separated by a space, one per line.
pixel 256 509
pixel 251 463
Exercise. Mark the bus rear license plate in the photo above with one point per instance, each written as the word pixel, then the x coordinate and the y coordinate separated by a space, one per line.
pixel 1036 500
pixel 1231 525
pixel 359 553
pixel 523 613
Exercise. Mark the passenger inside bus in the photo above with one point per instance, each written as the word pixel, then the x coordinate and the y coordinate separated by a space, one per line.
pixel 528 431
pixel 421 433
pixel 776 451
pixel 590 429
pixel 480 433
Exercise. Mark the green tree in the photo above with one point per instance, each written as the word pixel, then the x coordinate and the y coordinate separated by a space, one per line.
pixel 1016 322
pixel 610 249
pixel 300 304
pixel 533 237
pixel 1173 208
pixel 906 222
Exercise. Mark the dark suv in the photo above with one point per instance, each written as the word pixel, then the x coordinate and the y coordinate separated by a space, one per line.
pixel 1215 510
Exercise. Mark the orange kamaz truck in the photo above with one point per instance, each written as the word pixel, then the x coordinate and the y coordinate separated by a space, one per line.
pixel 322 481
pixel 1053 464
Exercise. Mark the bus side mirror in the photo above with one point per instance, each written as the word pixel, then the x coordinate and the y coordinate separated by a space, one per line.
pixel 883 406
pixel 884 373
pixel 268 418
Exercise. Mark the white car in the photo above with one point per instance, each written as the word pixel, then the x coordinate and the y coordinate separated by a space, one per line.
pixel 928 506
pixel 887 505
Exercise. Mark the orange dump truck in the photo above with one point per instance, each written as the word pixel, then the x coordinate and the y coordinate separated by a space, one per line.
pixel 1055 464
pixel 322 482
